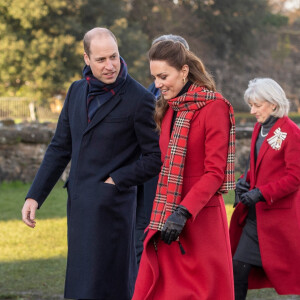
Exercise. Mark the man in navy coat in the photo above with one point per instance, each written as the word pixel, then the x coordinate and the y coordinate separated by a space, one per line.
pixel 106 128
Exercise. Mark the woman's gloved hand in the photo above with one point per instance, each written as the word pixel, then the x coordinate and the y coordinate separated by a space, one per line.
pixel 241 188
pixel 252 197
pixel 175 224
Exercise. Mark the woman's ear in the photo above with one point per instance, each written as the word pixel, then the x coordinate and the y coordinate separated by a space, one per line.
pixel 185 70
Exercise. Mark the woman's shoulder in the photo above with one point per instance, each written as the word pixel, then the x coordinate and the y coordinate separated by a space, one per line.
pixel 214 112
pixel 218 105
pixel 288 124
pixel 288 129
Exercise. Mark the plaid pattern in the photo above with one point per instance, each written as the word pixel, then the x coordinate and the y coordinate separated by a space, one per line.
pixel 99 92
pixel 168 193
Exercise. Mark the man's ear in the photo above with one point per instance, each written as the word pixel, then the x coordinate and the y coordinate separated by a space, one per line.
pixel 86 59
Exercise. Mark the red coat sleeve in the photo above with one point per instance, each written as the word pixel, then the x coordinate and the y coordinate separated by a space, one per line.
pixel 216 130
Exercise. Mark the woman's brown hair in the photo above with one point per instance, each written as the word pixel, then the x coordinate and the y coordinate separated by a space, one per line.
pixel 176 56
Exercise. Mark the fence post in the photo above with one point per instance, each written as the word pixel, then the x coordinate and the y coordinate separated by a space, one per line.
pixel 32 111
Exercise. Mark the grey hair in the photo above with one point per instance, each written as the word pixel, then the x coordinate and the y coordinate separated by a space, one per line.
pixel 172 37
pixel 267 89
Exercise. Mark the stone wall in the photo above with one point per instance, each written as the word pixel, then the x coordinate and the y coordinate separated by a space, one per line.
pixel 22 148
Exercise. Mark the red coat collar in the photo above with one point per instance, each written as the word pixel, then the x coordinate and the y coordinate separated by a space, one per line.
pixel 265 146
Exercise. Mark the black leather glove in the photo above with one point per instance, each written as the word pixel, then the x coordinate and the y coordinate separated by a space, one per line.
pixel 241 188
pixel 252 197
pixel 175 224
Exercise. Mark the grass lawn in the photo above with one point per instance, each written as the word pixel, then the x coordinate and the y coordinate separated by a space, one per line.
pixel 33 261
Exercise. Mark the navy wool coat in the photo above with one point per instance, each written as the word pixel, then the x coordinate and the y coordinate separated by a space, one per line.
pixel 121 142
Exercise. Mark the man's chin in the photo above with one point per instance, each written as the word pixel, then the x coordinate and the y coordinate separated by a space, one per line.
pixel 109 81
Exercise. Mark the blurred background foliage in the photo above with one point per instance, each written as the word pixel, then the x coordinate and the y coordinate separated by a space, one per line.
pixel 41 41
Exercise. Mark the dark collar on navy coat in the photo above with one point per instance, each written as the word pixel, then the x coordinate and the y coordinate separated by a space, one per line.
pixel 105 109
pixel 80 97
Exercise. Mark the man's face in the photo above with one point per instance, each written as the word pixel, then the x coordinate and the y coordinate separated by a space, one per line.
pixel 104 59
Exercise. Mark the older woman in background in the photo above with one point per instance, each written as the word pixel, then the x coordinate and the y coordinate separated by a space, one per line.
pixel 264 229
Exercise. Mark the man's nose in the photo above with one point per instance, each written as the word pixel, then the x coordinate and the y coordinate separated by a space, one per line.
pixel 108 64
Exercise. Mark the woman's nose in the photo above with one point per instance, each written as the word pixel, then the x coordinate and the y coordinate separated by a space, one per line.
pixel 157 84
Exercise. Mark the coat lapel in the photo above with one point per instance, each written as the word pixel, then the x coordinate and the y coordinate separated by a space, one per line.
pixel 104 110
pixel 81 96
pixel 165 132
pixel 265 145
pixel 252 151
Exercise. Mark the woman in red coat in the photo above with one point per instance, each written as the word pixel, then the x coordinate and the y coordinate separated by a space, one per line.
pixel 187 250
pixel 264 229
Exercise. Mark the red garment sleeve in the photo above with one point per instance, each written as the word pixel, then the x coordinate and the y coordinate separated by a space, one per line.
pixel 216 130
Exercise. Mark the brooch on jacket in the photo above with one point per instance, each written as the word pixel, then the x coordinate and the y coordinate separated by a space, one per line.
pixel 276 140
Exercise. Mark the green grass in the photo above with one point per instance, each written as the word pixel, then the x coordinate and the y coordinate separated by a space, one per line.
pixel 12 197
pixel 33 261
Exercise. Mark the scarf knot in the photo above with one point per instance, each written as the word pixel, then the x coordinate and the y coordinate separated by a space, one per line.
pixel 100 92
pixel 169 188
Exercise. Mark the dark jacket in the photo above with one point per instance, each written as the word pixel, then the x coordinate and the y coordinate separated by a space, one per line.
pixel 120 142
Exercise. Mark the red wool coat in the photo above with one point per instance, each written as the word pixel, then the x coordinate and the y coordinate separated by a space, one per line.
pixel 205 271
pixel 277 175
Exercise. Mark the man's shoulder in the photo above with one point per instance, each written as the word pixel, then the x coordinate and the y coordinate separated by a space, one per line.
pixel 79 83
pixel 136 89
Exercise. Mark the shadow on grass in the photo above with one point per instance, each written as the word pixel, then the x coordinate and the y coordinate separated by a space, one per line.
pixel 44 280
pixel 33 279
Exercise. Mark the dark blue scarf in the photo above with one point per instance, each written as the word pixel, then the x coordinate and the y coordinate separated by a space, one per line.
pixel 100 92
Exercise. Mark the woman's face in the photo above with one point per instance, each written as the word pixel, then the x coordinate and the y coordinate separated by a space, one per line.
pixel 261 109
pixel 167 79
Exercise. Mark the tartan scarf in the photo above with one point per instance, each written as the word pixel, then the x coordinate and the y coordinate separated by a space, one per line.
pixel 168 193
pixel 100 92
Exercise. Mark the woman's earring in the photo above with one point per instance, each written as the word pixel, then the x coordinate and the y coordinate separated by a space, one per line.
pixel 183 80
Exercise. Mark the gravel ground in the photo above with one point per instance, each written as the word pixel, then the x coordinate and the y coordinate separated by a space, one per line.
pixel 269 294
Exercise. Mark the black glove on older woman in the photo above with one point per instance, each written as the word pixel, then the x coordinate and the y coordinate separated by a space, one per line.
pixel 175 224
pixel 241 188
pixel 252 197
